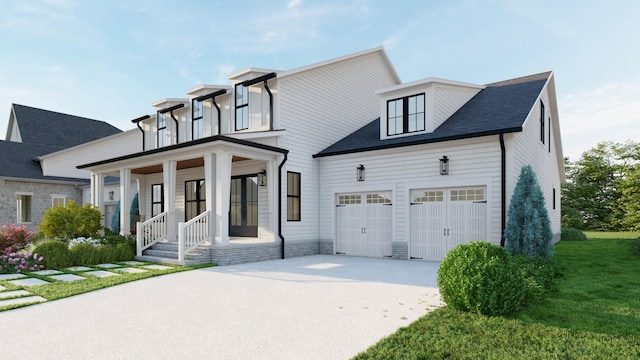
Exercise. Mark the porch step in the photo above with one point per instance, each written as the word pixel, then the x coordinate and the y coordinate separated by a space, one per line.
pixel 167 253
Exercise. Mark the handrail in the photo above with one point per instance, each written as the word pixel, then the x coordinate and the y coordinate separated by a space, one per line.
pixel 150 232
pixel 192 233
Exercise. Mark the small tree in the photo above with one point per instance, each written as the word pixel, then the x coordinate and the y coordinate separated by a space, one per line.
pixel 71 221
pixel 528 229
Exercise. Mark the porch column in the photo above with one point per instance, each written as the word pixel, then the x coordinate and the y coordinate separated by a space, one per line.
pixel 97 190
pixel 169 180
pixel 272 196
pixel 125 201
pixel 222 171
pixel 210 192
pixel 141 198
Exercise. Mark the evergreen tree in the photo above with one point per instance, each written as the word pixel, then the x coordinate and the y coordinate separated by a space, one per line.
pixel 528 229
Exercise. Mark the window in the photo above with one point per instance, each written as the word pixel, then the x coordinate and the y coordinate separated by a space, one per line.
pixel 196 120
pixel 194 198
pixel 293 196
pixel 242 107
pixel 549 131
pixel 157 199
pixel 554 198
pixel 57 200
pixel 405 115
pixel 162 130
pixel 23 205
pixel 542 122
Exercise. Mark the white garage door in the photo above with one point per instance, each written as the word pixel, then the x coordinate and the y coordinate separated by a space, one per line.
pixel 441 219
pixel 363 223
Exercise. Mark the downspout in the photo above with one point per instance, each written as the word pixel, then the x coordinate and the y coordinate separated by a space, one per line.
pixel 170 111
pixel 280 205
pixel 266 87
pixel 137 122
pixel 503 190
pixel 177 127
pixel 213 101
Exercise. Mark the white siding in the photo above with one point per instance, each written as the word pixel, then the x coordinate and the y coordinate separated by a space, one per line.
pixel 447 100
pixel 525 148
pixel 472 162
pixel 64 162
pixel 317 108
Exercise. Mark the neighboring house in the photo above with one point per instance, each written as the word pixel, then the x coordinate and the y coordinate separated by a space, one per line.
pixel 26 192
pixel 290 163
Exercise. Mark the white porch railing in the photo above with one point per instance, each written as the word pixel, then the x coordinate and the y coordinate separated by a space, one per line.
pixel 192 233
pixel 150 232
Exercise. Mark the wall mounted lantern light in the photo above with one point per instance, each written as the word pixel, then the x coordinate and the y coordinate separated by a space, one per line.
pixel 360 173
pixel 262 178
pixel 444 165
pixel 110 195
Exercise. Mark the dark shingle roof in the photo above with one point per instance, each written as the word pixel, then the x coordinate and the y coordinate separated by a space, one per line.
pixel 44 132
pixel 501 107
pixel 57 129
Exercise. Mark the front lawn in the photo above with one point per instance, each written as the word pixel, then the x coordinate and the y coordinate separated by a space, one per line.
pixel 594 314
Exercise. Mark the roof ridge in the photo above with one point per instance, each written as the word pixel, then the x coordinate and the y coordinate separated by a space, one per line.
pixel 522 79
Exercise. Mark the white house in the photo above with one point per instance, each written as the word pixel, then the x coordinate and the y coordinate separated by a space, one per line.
pixel 337 157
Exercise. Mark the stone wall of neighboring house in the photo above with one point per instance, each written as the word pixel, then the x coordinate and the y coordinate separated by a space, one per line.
pixel 41 194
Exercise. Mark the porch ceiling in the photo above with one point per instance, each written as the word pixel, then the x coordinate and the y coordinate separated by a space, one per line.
pixel 183 164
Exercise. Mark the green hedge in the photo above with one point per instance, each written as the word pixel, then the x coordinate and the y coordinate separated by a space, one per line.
pixel 55 254
pixel 572 234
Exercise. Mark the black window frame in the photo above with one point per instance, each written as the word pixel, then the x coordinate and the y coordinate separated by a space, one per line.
pixel 554 198
pixel 240 107
pixel 294 199
pixel 161 130
pixel 197 119
pixel 153 200
pixel 549 133
pixel 542 120
pixel 406 114
pixel 200 200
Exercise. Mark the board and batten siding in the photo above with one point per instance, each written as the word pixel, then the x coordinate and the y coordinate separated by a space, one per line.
pixel 472 162
pixel 525 148
pixel 63 163
pixel 318 107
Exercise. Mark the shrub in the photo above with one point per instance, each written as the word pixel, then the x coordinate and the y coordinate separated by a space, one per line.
pixel 482 278
pixel 14 238
pixel 572 234
pixel 528 229
pixel 109 253
pixel 82 240
pixel 85 254
pixel 115 239
pixel 20 261
pixel 71 221
pixel 635 247
pixel 55 254
pixel 538 275
pixel 126 252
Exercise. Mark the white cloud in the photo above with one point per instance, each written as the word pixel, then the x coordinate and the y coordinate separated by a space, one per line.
pixel 293 4
pixel 608 113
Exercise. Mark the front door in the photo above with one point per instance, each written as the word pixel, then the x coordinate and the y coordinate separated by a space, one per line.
pixel 243 212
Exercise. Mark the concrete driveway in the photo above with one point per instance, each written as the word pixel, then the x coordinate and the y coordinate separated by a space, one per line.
pixel 315 307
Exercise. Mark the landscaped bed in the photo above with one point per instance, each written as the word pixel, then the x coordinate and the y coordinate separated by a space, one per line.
pixel 593 314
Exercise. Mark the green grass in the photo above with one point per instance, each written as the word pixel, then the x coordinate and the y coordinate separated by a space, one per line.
pixel 61 289
pixel 593 314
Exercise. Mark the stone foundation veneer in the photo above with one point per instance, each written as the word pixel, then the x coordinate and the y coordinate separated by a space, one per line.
pixel 399 250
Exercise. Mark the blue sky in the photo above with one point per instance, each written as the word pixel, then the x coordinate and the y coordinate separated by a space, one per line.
pixel 109 60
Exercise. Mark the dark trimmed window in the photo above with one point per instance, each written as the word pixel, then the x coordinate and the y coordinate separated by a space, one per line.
pixel 549 132
pixel 242 107
pixel 405 115
pixel 542 122
pixel 196 120
pixel 554 198
pixel 194 198
pixel 293 196
pixel 162 130
pixel 157 199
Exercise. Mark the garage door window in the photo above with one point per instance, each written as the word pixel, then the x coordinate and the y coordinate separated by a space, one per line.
pixel 349 199
pixel 384 198
pixel 467 195
pixel 420 196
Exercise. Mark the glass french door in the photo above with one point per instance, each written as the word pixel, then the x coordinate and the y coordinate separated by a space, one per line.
pixel 243 212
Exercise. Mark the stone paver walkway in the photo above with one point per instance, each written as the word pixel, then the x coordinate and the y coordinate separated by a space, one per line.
pixel 74 273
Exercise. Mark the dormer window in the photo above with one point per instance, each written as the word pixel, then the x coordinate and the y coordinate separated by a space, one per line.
pixel 242 107
pixel 197 129
pixel 162 129
pixel 405 115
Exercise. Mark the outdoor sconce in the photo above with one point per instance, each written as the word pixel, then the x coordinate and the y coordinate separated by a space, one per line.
pixel 360 173
pixel 110 195
pixel 262 178
pixel 444 165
